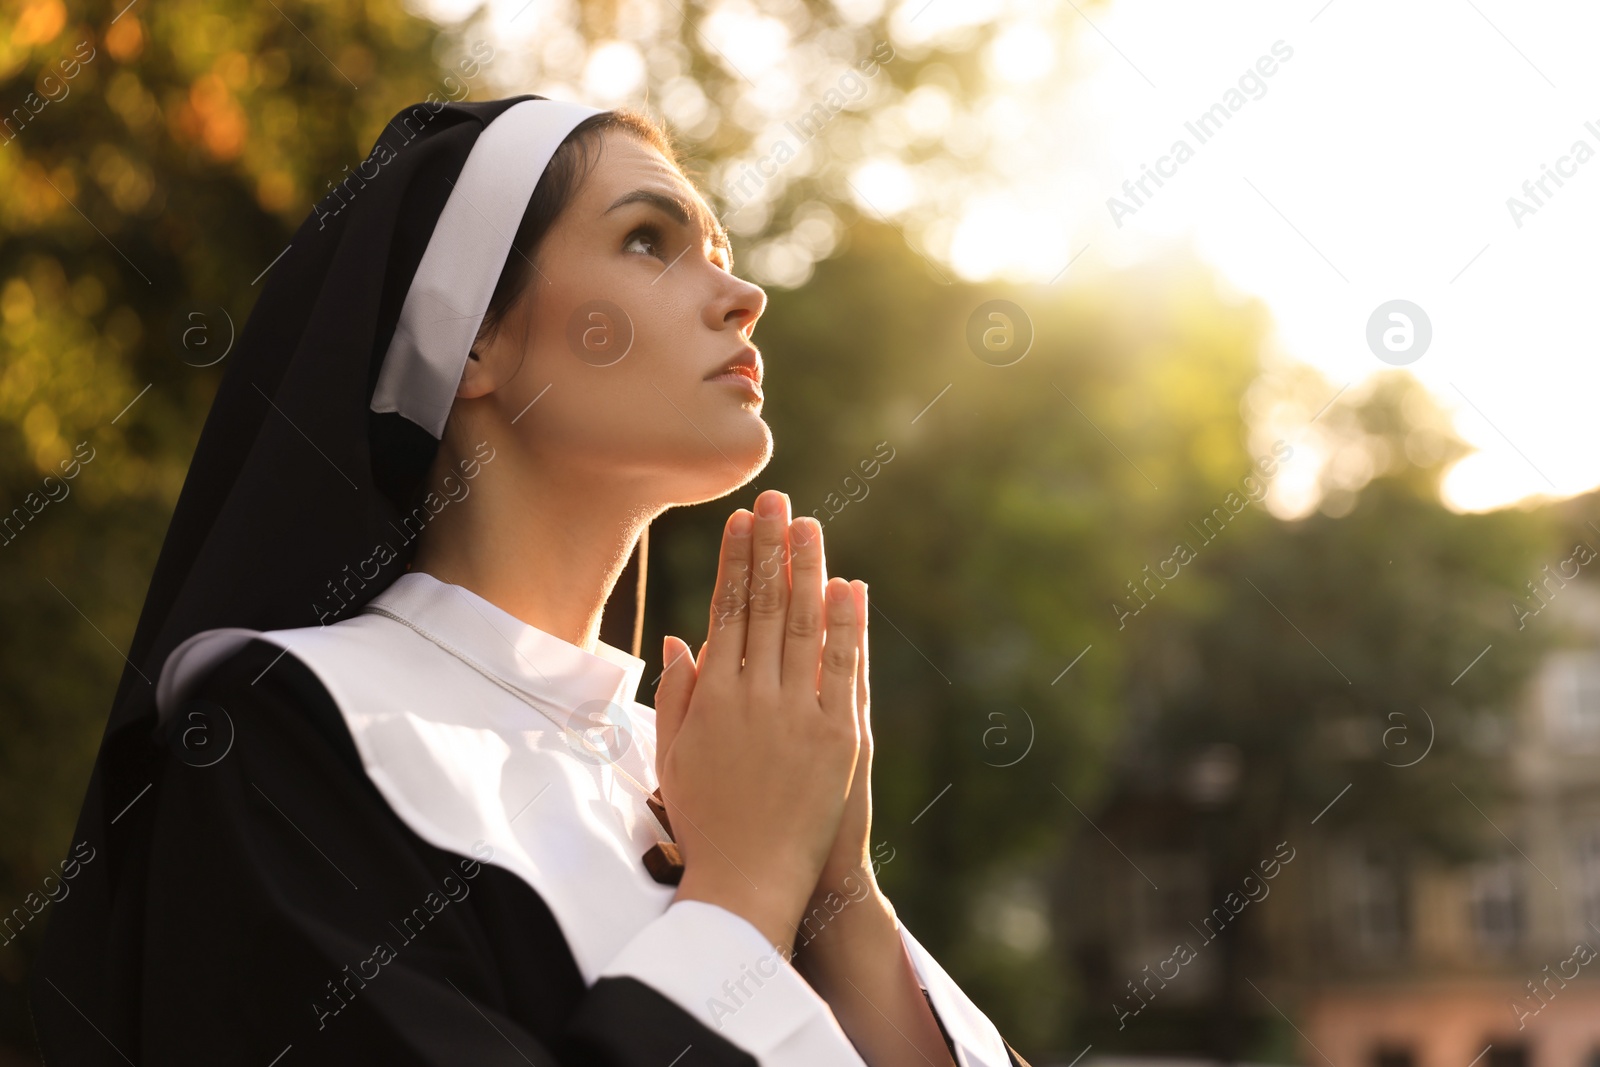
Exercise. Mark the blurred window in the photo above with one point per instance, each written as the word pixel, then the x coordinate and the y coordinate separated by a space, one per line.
pixel 1377 901
pixel 1507 1055
pixel 1587 861
pixel 1498 909
pixel 1391 1056
pixel 1574 697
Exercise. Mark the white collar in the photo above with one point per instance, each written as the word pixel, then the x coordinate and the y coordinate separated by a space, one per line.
pixel 547 666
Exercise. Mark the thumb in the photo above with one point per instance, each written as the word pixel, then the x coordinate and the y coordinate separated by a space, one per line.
pixel 673 690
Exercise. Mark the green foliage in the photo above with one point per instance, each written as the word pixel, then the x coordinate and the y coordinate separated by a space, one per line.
pixel 155 163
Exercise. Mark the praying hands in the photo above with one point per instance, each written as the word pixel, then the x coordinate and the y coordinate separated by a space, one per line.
pixel 764 754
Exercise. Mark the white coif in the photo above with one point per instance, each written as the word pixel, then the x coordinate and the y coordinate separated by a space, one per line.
pixel 471 240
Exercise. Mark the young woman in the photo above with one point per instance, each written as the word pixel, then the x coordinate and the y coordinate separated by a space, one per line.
pixel 373 790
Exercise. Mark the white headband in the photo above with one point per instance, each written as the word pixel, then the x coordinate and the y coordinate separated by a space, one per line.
pixel 465 255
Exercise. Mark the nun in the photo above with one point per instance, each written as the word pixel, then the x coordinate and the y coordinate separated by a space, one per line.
pixel 373 790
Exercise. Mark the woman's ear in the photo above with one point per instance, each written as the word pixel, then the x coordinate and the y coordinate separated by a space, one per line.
pixel 475 377
pixel 496 355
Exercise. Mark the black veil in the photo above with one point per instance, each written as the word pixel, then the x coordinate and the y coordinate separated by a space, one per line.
pixel 294 481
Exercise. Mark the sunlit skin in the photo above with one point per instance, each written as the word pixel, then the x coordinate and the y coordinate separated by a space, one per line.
pixel 764 744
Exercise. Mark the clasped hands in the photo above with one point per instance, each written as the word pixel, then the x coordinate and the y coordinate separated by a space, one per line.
pixel 764 742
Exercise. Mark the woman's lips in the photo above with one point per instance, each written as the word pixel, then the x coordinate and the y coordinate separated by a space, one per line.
pixel 741 379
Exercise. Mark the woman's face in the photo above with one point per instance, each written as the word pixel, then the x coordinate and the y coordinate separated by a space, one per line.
pixel 611 368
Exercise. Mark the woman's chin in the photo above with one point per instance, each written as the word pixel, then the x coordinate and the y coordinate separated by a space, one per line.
pixel 736 462
pixel 742 435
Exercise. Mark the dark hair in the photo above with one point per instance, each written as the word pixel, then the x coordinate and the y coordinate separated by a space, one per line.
pixel 568 167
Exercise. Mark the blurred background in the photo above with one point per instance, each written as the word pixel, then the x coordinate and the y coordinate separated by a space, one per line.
pixel 1205 392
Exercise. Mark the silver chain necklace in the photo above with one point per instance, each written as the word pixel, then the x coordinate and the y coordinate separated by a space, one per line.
pixel 663 860
pixel 538 705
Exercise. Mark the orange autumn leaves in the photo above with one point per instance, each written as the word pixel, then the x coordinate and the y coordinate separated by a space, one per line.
pixel 38 22
pixel 211 115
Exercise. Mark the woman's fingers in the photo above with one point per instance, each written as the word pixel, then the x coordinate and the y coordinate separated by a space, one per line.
pixel 863 692
pixel 769 590
pixel 863 675
pixel 840 653
pixel 725 638
pixel 802 638
pixel 673 691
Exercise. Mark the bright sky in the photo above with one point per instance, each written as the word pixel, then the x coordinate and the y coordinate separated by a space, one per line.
pixel 1376 166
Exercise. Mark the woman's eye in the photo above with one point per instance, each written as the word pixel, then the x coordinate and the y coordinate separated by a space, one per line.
pixel 646 239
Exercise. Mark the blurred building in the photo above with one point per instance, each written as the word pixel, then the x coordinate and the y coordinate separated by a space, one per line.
pixel 1497 963
pixel 1367 955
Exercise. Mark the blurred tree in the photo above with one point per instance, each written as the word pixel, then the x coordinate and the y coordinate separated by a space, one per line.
pixel 803 115
pixel 154 160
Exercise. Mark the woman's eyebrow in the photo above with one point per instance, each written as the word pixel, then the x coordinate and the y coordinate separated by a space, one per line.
pixel 678 210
